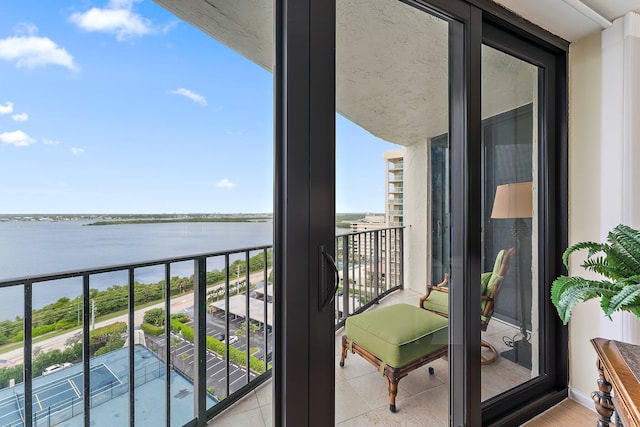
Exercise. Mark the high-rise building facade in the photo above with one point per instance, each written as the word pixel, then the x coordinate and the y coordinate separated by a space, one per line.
pixel 394 200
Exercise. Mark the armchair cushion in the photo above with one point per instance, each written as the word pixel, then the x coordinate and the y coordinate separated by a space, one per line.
pixel 438 301
pixel 494 274
pixel 398 334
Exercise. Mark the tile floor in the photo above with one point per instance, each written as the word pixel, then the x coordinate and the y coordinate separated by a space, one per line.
pixel 361 393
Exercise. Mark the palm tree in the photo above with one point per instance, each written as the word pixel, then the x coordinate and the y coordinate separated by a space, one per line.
pixel 175 342
pixel 184 357
pixel 618 261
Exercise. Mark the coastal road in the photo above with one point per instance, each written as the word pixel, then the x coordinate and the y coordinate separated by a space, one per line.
pixel 178 305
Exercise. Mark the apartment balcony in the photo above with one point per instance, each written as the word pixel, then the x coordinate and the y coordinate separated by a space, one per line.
pixel 210 357
pixel 207 345
pixel 422 400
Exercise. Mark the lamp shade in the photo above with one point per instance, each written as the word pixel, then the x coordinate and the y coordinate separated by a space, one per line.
pixel 513 201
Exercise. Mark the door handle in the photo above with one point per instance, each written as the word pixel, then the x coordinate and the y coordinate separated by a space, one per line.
pixel 327 290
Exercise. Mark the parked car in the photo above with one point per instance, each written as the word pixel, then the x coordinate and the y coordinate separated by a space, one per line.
pixel 55 368
pixel 232 339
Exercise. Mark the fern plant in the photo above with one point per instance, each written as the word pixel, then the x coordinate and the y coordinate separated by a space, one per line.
pixel 618 261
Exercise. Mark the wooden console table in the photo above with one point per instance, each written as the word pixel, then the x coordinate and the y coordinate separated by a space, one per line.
pixel 619 367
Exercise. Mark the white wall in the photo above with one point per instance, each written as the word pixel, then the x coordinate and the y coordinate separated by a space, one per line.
pixel 585 100
pixel 416 196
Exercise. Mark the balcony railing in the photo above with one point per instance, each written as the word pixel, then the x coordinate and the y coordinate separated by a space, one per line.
pixel 367 271
pixel 218 348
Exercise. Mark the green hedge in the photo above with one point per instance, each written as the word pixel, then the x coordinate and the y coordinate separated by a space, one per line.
pixel 152 329
pixel 218 347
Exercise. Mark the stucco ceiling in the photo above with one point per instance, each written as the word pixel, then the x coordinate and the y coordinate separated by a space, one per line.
pixel 391 62
pixel 391 59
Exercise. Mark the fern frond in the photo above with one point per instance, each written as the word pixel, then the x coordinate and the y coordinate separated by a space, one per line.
pixel 599 265
pixel 625 248
pixel 593 248
pixel 635 309
pixel 629 296
pixel 617 260
pixel 566 292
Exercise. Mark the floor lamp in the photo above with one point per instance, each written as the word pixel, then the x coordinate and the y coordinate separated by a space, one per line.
pixel 515 201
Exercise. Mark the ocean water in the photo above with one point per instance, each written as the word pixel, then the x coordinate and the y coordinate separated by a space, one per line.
pixel 31 248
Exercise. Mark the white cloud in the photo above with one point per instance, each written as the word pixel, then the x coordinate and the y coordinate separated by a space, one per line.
pixel 28 28
pixel 50 141
pixel 195 97
pixel 77 151
pixel 225 183
pixel 6 108
pixel 116 18
pixel 17 138
pixel 22 117
pixel 33 51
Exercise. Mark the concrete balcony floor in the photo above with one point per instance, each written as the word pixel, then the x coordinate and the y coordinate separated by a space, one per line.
pixel 422 400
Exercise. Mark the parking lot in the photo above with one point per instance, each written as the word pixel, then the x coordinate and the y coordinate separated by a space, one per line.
pixel 182 353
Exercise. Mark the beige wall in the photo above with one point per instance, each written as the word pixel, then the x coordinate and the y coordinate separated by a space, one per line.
pixel 585 83
pixel 416 200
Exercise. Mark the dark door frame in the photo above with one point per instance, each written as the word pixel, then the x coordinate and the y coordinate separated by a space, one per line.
pixel 550 386
pixel 304 211
pixel 304 208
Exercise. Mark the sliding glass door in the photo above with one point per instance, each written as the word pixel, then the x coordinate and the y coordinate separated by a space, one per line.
pixel 392 110
pixel 473 124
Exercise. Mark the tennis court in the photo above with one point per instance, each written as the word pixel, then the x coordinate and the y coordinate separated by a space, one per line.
pixel 58 395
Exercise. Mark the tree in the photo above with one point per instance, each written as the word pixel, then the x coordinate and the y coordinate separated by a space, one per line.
pixel 175 343
pixel 242 330
pixel 154 317
pixel 184 357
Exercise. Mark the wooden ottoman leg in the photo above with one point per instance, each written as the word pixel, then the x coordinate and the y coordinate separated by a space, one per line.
pixel 344 350
pixel 393 391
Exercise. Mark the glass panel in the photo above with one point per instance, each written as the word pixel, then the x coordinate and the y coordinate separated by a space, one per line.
pixel 157 124
pixel 109 350
pixel 392 81
pixel 149 366
pixel 509 168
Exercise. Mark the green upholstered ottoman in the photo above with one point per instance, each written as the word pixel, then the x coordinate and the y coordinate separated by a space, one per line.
pixel 396 339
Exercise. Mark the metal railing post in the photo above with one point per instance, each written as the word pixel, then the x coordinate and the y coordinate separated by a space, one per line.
pixel 247 319
pixel 266 310
pixel 226 323
pixel 167 335
pixel 346 286
pixel 401 258
pixel 86 356
pixel 28 354
pixel 132 359
pixel 376 271
pixel 200 340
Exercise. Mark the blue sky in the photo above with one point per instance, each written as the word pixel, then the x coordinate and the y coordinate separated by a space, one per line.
pixel 116 106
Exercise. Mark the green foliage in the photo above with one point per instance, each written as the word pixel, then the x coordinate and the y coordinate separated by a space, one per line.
pixel 109 336
pixel 242 330
pixel 180 317
pixel 9 330
pixel 618 261
pixel 219 347
pixel 13 372
pixel 114 343
pixel 152 329
pixel 66 313
pixel 72 354
pixel 154 316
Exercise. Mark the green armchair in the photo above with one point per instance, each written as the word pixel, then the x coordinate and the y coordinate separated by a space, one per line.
pixel 436 299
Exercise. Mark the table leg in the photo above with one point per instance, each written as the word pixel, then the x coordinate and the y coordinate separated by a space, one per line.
pixel 602 399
